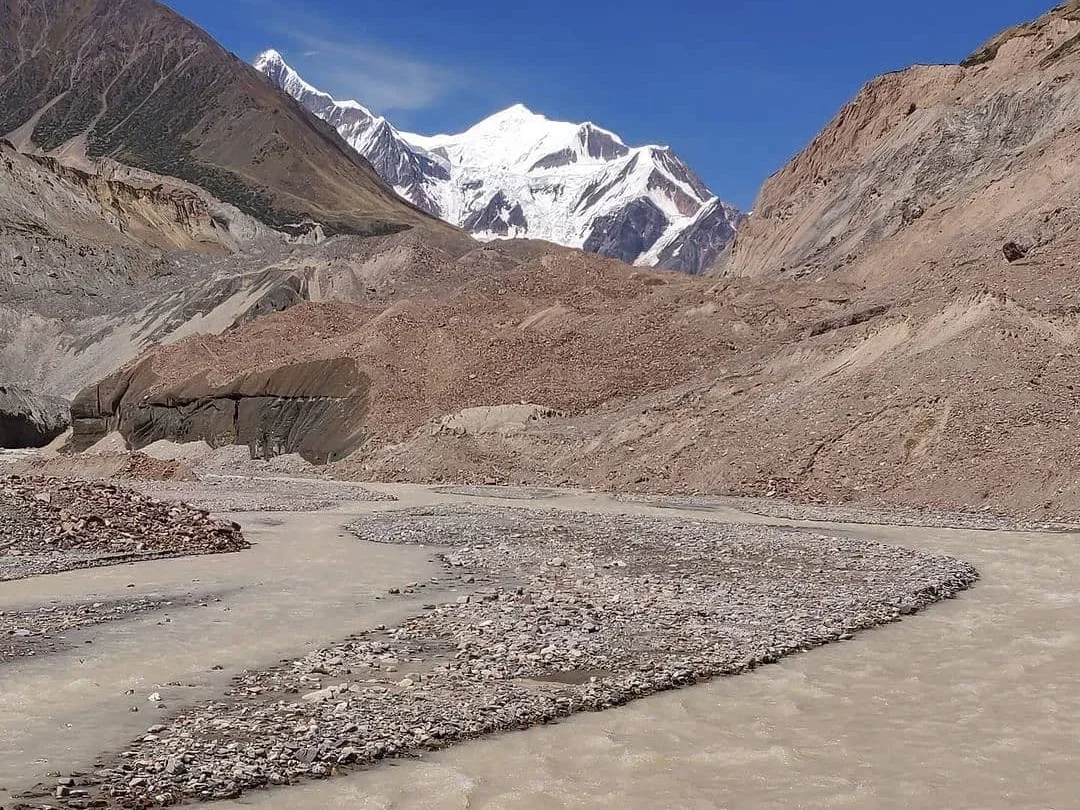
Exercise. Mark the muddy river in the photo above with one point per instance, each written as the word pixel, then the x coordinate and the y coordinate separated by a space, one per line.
pixel 972 704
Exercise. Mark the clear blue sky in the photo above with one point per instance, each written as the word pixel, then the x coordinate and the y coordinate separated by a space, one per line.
pixel 736 87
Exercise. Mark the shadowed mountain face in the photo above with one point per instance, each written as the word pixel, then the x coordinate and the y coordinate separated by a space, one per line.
pixel 133 81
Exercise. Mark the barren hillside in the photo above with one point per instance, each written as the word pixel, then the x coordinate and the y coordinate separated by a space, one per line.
pixel 562 329
pixel 95 266
pixel 913 364
pixel 132 80
pixel 897 325
pixel 930 171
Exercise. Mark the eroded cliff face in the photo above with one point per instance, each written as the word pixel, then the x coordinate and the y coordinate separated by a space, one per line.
pixel 167 216
pixel 95 264
pixel 30 420
pixel 931 164
pixel 313 408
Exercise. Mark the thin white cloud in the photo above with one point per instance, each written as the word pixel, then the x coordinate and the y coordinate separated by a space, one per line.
pixel 376 76
pixel 353 67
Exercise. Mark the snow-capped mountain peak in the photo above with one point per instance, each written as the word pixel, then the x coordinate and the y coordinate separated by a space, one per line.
pixel 518 173
pixel 518 139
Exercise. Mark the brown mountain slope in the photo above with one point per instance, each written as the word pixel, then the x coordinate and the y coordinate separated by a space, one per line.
pixel 931 165
pixel 132 80
pixel 559 328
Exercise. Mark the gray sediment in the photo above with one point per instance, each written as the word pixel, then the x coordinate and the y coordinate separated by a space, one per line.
pixel 553 613
pixel 48 629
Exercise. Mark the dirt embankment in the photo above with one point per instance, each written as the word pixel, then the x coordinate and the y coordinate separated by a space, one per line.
pixel 563 332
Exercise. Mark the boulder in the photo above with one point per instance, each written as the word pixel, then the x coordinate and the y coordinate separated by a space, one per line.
pixel 30 420
pixel 1013 252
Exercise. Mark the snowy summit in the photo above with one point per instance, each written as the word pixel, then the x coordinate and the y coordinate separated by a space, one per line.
pixel 519 174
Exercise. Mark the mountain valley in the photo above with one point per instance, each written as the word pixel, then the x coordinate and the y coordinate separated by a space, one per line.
pixel 873 298
pixel 327 447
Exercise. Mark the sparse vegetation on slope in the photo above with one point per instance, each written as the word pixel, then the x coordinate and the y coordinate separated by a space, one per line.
pixel 135 82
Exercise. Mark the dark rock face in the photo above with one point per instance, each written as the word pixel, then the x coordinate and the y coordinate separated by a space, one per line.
pixel 680 171
pixel 498 216
pixel 700 245
pixel 29 420
pixel 287 293
pixel 599 144
pixel 628 232
pixel 403 167
pixel 1013 252
pixel 314 409
pixel 556 160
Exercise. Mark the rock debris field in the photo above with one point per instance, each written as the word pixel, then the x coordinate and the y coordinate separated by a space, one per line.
pixel 550 613
pixel 50 525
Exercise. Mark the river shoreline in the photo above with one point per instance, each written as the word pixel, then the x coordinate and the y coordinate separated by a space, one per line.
pixel 563 612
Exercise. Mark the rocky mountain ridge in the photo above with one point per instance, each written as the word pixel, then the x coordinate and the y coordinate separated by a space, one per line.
pixel 518 174
pixel 132 81
pixel 927 158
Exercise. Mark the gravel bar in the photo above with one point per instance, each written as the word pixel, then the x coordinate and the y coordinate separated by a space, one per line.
pixel 844 513
pixel 552 613
pixel 221 494
pixel 39 631
pixel 49 525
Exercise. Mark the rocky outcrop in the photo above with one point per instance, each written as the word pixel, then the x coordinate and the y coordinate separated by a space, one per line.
pixel 629 232
pixel 702 242
pixel 498 217
pixel 29 420
pixel 314 408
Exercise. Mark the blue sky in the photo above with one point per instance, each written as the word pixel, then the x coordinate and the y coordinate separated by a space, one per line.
pixel 735 87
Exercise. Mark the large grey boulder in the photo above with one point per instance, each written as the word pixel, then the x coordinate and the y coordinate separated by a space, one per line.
pixel 30 420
